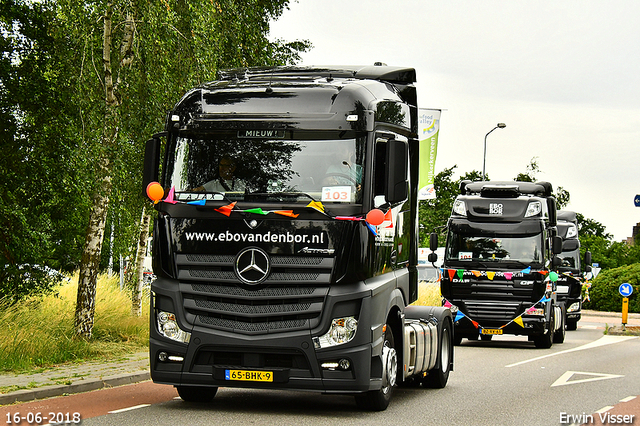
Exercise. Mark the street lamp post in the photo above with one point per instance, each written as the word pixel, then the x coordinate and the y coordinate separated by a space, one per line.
pixel 484 161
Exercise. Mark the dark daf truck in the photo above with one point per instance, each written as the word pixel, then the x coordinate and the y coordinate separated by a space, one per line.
pixel 497 269
pixel 286 242
pixel 569 280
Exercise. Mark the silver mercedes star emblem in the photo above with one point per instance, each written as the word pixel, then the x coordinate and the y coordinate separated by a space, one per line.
pixel 252 265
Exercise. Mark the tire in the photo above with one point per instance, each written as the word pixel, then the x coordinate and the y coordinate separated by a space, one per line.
pixel 196 393
pixel 438 377
pixel 378 400
pixel 558 335
pixel 572 325
pixel 545 341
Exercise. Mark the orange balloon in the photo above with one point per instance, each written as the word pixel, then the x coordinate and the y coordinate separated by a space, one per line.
pixel 375 217
pixel 155 191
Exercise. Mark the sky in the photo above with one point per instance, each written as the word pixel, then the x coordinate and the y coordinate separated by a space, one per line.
pixel 564 76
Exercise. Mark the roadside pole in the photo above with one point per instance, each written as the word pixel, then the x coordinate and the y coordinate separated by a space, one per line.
pixel 625 291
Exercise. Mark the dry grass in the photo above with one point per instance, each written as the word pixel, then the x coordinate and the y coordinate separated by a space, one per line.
pixel 428 294
pixel 39 332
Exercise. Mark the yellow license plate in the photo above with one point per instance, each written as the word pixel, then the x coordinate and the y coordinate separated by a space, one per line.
pixel 491 331
pixel 249 376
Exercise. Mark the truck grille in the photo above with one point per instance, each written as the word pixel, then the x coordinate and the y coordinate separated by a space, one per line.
pixel 291 297
pixel 490 312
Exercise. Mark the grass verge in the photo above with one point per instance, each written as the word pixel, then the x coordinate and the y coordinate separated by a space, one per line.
pixel 39 332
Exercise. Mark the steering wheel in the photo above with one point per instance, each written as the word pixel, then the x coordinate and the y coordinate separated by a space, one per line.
pixel 342 175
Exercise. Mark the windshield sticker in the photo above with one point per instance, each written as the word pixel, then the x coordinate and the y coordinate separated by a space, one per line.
pixel 340 194
pixel 465 255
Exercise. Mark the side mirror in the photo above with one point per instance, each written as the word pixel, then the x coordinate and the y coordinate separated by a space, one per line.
pixel 587 261
pixel 397 185
pixel 557 245
pixel 433 246
pixel 151 163
pixel 553 212
pixel 433 241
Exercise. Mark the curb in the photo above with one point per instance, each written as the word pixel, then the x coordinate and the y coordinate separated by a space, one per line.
pixel 24 395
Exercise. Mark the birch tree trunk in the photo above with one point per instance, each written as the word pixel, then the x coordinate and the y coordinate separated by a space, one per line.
pixel 85 302
pixel 136 305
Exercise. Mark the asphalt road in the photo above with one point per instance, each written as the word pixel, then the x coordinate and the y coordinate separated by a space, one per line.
pixel 503 382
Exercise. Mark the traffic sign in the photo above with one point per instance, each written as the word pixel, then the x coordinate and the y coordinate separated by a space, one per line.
pixel 636 200
pixel 625 289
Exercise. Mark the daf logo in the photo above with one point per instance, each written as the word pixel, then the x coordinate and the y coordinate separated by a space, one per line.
pixel 252 265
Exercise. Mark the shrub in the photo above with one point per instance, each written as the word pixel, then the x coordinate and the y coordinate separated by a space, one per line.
pixel 604 292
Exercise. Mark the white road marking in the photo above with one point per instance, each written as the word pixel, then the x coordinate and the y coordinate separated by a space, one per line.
pixel 627 399
pixel 564 379
pixel 135 407
pixel 604 340
pixel 604 409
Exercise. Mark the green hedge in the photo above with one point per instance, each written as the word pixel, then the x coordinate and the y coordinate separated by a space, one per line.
pixel 604 292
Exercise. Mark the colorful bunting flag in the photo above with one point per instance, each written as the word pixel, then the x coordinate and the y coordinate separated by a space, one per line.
pixel 226 210
pixel 518 321
pixel 459 316
pixel 476 273
pixel 508 275
pixel 460 273
pixel 527 270
pixel 447 304
pixel 170 196
pixel 288 213
pixel 198 202
pixel 451 273
pixel 316 205
pixel 255 211
pixel 490 275
pixel 372 229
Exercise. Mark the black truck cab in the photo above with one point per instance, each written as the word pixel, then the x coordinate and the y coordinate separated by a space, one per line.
pixel 498 265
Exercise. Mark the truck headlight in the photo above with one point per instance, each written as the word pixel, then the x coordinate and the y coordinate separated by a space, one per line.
pixel 459 207
pixel 168 327
pixel 341 331
pixel 574 307
pixel 533 209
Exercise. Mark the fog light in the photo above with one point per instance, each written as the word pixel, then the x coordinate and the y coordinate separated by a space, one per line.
pixel 163 356
pixel 343 364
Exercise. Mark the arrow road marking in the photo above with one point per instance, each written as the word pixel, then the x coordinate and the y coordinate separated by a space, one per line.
pixel 604 340
pixel 565 378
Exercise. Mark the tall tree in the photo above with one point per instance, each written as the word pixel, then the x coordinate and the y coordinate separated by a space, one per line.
pixel 150 52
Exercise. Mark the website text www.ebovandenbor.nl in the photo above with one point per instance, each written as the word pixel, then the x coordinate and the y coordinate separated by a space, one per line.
pixel 249 237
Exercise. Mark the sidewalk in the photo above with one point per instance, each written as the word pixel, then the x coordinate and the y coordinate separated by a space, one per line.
pixel 76 378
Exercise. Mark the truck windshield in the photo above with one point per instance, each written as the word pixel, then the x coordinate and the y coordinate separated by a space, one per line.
pixel 330 170
pixel 521 249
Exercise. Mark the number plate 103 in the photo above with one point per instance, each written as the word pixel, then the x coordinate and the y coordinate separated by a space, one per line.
pixel 491 331
pixel 249 376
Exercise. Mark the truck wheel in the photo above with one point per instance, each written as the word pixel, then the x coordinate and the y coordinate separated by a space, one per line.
pixel 572 325
pixel 438 377
pixel 558 335
pixel 196 393
pixel 545 341
pixel 378 400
